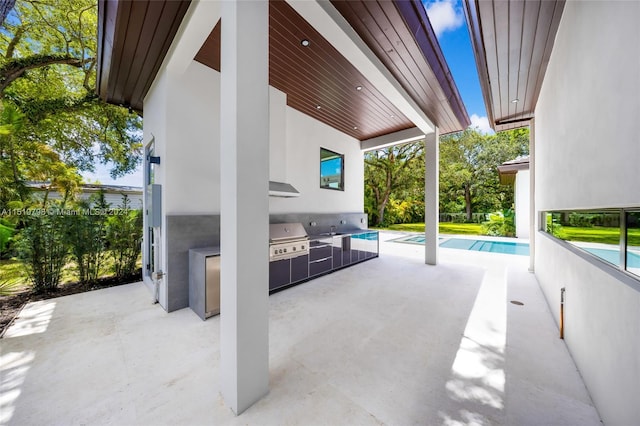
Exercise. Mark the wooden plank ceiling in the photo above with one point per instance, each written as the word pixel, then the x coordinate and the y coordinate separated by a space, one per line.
pixel 399 33
pixel 133 39
pixel 317 79
pixel 512 43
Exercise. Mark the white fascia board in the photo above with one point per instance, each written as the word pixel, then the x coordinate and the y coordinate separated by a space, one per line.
pixel 200 19
pixel 397 138
pixel 333 26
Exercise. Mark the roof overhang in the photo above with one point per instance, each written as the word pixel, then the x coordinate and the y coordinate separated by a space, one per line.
pixel 133 39
pixel 136 37
pixel 512 43
pixel 508 170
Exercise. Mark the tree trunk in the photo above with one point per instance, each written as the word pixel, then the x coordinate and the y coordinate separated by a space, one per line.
pixel 387 193
pixel 15 68
pixel 381 207
pixel 467 202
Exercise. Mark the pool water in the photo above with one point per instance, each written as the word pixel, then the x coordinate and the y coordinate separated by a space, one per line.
pixel 503 247
pixel 522 249
pixel 474 245
pixel 613 256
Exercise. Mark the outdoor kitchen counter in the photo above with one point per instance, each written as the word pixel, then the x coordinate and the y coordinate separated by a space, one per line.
pixel 347 232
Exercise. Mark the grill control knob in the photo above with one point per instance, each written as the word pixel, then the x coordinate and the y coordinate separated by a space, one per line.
pixel 294 248
pixel 285 250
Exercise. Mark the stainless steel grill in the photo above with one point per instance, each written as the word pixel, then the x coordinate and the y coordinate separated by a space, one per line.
pixel 287 240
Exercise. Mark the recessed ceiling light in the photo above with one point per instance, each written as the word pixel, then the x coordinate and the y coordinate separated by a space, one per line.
pixel 358 88
pixel 355 127
pixel 318 107
pixel 515 101
pixel 305 42
pixel 391 116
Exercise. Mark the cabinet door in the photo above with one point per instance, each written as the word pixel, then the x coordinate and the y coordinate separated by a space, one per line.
pixel 346 250
pixel 374 243
pixel 319 249
pixel 337 257
pixel 279 273
pixel 320 266
pixel 356 247
pixel 299 268
pixel 212 285
pixel 337 252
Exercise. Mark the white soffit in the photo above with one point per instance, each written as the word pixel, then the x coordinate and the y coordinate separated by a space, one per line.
pixel 196 26
pixel 331 24
pixel 398 138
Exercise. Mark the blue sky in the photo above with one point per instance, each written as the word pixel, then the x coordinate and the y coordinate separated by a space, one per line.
pixel 448 21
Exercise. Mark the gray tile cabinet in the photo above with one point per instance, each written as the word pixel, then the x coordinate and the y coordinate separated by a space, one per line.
pixel 204 281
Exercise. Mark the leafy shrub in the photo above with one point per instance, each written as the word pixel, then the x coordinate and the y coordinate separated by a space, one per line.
pixel 7 288
pixel 43 248
pixel 583 220
pixel 6 236
pixel 554 227
pixel 500 224
pixel 86 234
pixel 124 236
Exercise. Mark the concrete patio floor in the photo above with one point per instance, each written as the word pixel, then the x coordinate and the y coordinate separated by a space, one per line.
pixel 390 341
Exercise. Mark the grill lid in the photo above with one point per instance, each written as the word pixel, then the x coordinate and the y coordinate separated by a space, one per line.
pixel 282 232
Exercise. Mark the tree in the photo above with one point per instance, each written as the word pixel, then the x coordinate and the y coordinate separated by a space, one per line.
pixel 469 169
pixel 48 79
pixel 394 170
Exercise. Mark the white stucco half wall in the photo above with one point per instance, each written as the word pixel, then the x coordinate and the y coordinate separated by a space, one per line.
pixel 587 156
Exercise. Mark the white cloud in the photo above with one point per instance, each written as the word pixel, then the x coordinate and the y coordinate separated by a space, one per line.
pixel 481 124
pixel 444 16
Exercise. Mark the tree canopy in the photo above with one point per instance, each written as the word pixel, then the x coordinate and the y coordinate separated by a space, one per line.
pixel 53 125
pixel 391 174
pixel 469 181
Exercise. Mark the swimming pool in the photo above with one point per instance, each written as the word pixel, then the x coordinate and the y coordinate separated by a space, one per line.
pixel 613 256
pixel 504 247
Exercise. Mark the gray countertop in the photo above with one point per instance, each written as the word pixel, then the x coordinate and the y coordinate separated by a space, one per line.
pixel 340 233
pixel 206 251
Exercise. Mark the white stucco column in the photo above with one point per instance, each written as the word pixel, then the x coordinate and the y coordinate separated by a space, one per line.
pixel 431 202
pixel 244 203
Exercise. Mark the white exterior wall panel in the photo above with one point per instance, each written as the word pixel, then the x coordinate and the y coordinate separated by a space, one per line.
pixel 522 202
pixel 587 156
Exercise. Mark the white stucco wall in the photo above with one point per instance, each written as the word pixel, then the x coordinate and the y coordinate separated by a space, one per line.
pixel 191 161
pixel 193 128
pixel 183 109
pixel 522 202
pixel 305 136
pixel 587 156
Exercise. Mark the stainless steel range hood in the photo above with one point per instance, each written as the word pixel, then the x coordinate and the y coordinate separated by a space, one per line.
pixel 281 189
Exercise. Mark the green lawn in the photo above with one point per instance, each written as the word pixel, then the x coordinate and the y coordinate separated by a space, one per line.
pixel 599 234
pixel 444 228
